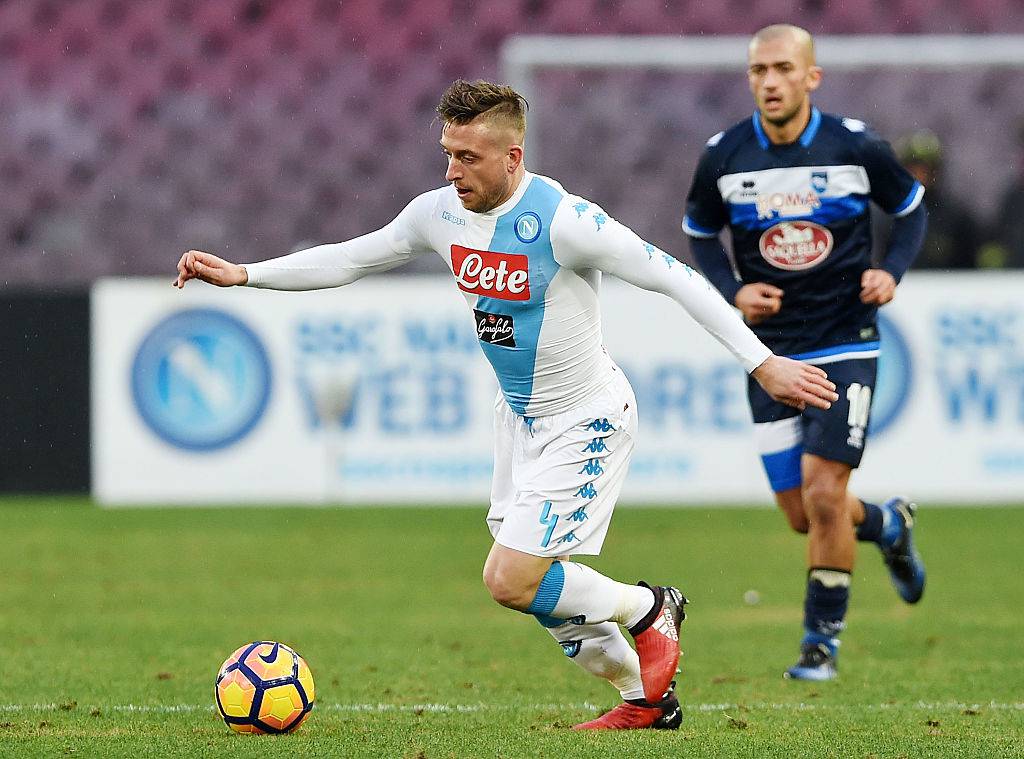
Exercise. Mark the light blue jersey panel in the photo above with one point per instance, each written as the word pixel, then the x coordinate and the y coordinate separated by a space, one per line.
pixel 525 230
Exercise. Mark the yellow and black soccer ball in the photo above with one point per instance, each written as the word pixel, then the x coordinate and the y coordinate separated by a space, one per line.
pixel 264 687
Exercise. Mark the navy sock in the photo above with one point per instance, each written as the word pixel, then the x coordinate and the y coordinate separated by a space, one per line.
pixel 828 593
pixel 870 529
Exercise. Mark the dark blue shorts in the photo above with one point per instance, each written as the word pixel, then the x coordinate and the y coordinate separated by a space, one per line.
pixel 839 434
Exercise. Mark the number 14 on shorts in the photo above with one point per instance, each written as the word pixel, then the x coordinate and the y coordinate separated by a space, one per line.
pixel 551 520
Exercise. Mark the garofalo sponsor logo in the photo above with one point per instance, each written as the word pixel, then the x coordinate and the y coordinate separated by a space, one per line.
pixel 497 275
pixel 496 329
pixel 795 245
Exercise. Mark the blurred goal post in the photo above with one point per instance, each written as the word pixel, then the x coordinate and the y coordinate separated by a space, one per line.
pixel 523 55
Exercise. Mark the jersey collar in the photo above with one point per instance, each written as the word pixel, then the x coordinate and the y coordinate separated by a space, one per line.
pixel 806 137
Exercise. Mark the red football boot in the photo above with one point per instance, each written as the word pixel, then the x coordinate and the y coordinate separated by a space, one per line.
pixel 637 714
pixel 657 640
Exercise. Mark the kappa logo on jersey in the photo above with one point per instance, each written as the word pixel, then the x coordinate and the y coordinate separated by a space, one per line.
pixel 496 329
pixel 505 276
pixel 795 245
pixel 458 220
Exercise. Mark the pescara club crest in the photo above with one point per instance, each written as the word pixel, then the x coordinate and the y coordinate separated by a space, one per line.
pixel 795 245
pixel 819 181
pixel 527 226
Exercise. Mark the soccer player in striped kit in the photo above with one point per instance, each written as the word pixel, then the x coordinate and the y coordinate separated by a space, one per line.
pixel 793 185
pixel 528 257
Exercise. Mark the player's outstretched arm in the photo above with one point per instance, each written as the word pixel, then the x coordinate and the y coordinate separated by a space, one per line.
pixel 617 250
pixel 197 264
pixel 795 383
pixel 322 266
pixel 579 242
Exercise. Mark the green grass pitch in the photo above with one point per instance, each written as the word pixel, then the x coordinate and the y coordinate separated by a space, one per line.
pixel 113 624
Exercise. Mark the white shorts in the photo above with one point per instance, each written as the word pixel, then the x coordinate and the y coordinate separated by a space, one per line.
pixel 557 478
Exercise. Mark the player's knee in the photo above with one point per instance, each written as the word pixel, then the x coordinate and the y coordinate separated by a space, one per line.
pixel 506 590
pixel 823 501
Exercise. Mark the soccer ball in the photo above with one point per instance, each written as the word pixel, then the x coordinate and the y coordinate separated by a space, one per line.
pixel 264 687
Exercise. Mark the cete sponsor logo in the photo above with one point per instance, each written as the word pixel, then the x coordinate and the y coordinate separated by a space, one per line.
pixel 505 276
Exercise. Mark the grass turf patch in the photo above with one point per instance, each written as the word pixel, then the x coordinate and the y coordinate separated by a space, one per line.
pixel 115 623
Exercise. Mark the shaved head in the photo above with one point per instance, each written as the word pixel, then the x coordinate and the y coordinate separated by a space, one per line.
pixel 782 74
pixel 797 35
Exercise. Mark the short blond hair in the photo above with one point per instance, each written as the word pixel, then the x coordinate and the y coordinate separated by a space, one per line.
pixel 798 33
pixel 465 101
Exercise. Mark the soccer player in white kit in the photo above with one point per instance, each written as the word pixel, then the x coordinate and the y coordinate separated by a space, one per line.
pixel 528 257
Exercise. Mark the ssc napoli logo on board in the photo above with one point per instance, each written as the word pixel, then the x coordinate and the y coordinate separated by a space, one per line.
pixel 895 377
pixel 201 379
pixel 527 226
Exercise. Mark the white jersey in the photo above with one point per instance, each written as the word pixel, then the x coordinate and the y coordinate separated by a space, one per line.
pixel 530 270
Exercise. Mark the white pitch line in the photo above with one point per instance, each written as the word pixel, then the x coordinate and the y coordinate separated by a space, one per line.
pixel 586 705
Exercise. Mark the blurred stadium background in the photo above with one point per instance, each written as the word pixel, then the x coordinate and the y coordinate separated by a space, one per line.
pixel 133 130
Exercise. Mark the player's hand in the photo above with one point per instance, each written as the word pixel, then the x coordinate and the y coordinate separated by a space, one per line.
pixel 877 287
pixel 795 383
pixel 195 264
pixel 758 301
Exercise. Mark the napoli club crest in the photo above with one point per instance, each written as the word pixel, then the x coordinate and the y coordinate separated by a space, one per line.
pixel 527 226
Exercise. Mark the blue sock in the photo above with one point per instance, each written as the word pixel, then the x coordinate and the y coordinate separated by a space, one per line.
pixel 870 530
pixel 548 593
pixel 828 594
